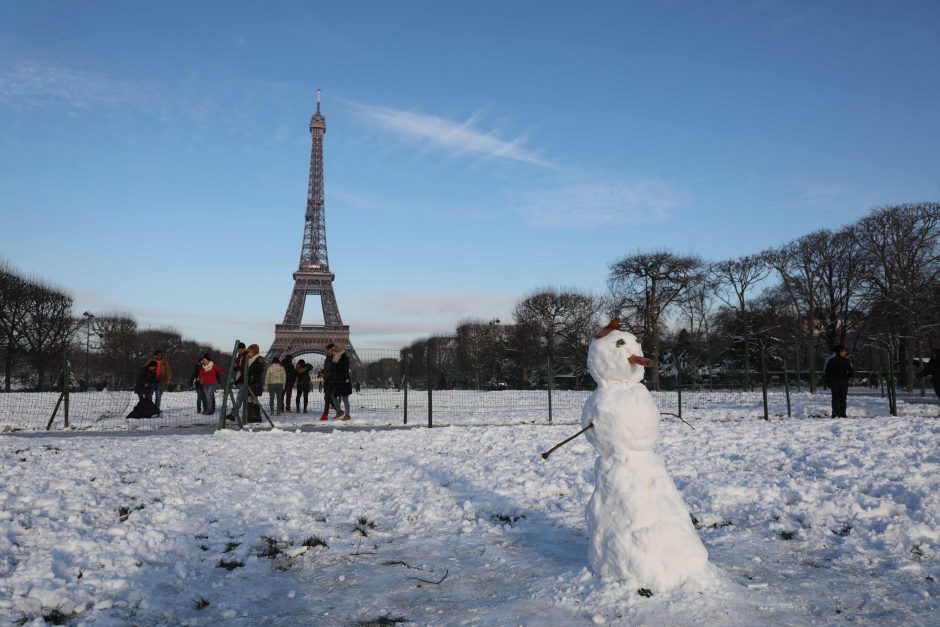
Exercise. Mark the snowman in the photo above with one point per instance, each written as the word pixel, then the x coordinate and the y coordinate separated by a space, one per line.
pixel 640 529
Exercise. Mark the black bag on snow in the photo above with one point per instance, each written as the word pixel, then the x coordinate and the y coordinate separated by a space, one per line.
pixel 253 411
pixel 144 409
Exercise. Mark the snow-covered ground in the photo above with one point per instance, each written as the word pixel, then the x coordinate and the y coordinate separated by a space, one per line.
pixel 809 520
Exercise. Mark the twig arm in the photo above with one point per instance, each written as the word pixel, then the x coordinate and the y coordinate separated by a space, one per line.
pixel 563 442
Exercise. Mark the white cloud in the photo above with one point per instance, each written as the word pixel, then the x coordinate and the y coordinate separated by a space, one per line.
pixel 458 137
pixel 36 83
pixel 440 308
pixel 599 204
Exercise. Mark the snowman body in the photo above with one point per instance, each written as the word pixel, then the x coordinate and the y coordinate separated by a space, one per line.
pixel 640 529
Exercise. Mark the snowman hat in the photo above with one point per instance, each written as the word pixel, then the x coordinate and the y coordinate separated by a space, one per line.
pixel 613 326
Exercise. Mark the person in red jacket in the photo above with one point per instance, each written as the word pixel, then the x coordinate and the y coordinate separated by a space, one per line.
pixel 210 376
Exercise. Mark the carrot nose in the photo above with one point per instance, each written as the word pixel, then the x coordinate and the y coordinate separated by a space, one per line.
pixel 636 360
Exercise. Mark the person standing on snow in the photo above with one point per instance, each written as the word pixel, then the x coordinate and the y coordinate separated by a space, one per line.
pixel 326 382
pixel 290 377
pixel 274 380
pixel 340 384
pixel 932 370
pixel 239 382
pixel 196 385
pixel 303 382
pixel 254 381
pixel 837 374
pixel 164 376
pixel 210 376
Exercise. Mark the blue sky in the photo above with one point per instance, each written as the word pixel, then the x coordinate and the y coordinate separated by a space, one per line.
pixel 155 155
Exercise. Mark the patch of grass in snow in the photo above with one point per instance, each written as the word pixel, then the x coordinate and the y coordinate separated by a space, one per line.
pixel 382 621
pixel 272 548
pixel 786 535
pixel 124 511
pixel 503 519
pixel 844 531
pixel 57 617
pixel 645 592
pixel 200 604
pixel 314 541
pixel 917 552
pixel 362 524
pixel 229 564
pixel 231 546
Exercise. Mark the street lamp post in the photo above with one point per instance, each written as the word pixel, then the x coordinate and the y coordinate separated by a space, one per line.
pixel 88 318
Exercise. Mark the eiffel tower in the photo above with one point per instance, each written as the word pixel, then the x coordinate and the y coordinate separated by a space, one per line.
pixel 313 276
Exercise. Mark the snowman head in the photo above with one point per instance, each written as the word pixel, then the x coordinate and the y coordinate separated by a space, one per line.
pixel 609 356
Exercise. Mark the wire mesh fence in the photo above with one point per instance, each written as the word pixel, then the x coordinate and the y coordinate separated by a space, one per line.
pixel 392 387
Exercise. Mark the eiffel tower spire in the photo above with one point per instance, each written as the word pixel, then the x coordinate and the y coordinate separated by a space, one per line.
pixel 313 276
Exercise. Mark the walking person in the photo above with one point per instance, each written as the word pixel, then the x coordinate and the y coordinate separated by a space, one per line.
pixel 932 370
pixel 341 385
pixel 837 374
pixel 290 376
pixel 146 381
pixel 196 385
pixel 274 380
pixel 303 382
pixel 210 376
pixel 164 376
pixel 325 383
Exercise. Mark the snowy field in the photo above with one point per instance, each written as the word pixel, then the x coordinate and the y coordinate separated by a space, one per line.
pixel 809 520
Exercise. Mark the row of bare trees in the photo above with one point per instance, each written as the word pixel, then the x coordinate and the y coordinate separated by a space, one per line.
pixel 37 330
pixel 873 286
pixel 36 324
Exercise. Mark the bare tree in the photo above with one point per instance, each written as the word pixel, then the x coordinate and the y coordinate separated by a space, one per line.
pixel 118 345
pixel 645 286
pixel 738 278
pixel 797 265
pixel 902 243
pixel 13 316
pixel 841 270
pixel 558 325
pixel 48 329
pixel 696 306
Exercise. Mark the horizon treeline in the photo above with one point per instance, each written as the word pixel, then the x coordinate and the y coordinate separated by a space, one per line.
pixel 873 286
pixel 38 330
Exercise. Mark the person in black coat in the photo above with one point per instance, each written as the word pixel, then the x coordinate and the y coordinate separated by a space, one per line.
pixel 326 383
pixel 837 373
pixel 196 385
pixel 932 370
pixel 254 381
pixel 290 374
pixel 303 382
pixel 146 380
pixel 340 383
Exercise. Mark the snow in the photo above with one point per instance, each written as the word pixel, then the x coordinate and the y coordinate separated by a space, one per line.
pixel 807 521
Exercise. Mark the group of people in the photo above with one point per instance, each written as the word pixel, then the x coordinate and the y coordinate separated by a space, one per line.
pixel 333 378
pixel 281 379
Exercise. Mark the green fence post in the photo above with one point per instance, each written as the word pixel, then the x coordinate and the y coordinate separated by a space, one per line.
pixel 763 377
pixel 226 384
pixel 430 394
pixel 551 387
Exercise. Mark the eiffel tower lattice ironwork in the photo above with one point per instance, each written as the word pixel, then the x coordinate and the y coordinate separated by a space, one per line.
pixel 313 276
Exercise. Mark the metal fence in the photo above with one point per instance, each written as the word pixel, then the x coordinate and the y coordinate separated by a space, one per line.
pixel 392 389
